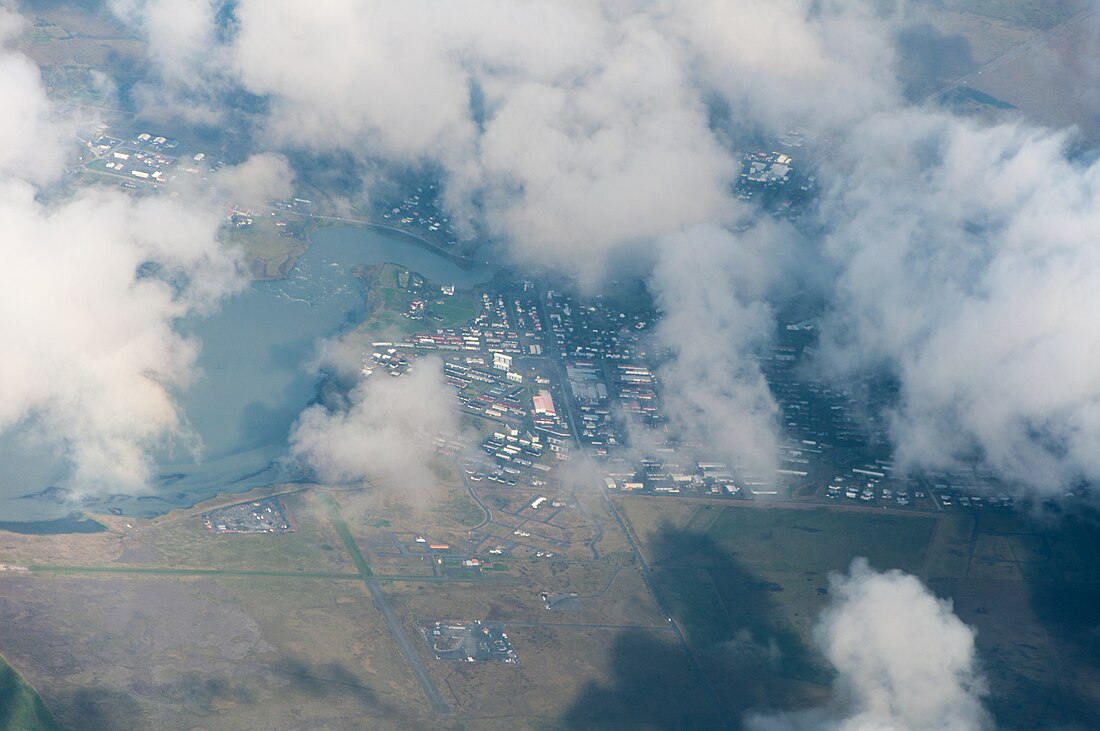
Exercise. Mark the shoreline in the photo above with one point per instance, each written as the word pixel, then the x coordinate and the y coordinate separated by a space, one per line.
pixel 59 514
pixel 466 263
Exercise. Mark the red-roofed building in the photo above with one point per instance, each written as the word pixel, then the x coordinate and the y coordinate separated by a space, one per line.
pixel 544 404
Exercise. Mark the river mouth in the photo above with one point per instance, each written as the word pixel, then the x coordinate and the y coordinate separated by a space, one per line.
pixel 254 379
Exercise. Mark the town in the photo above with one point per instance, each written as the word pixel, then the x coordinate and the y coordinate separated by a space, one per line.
pixel 550 376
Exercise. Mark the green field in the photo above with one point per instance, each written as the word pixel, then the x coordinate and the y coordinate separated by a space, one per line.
pixel 821 541
pixel 750 582
pixel 20 707
pixel 393 287
pixel 185 543
pixel 269 250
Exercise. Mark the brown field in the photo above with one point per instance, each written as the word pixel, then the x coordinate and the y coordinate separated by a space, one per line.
pixel 164 625
pixel 1036 56
pixel 629 679
pixel 1053 83
pixel 608 595
pixel 143 653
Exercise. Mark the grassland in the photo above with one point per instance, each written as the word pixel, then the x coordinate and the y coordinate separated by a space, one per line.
pixel 179 540
pixel 462 510
pixel 69 41
pixel 269 250
pixel 1032 55
pixel 393 287
pixel 747 584
pixel 608 595
pixel 313 546
pixel 161 624
pixel 1033 14
pixel 20 707
pixel 222 652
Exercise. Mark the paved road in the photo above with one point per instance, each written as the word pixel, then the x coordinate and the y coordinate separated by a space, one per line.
pixel 384 606
pixel 583 625
pixel 473 494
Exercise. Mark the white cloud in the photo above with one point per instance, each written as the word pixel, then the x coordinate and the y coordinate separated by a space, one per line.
pixel 33 139
pixel 576 173
pixel 786 63
pixel 256 181
pixel 712 286
pixel 383 431
pixel 582 129
pixel 904 661
pixel 92 286
pixel 584 133
pixel 189 64
pixel 91 356
pixel 969 264
pixel 581 134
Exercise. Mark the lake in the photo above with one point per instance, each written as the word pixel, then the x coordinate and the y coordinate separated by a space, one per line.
pixel 254 379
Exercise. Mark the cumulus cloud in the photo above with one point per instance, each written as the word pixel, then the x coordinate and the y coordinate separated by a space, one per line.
pixel 187 75
pixel 575 174
pixel 382 430
pixel 794 63
pixel 712 285
pixel 904 661
pixel 576 128
pixel 29 124
pixel 93 286
pixel 92 290
pixel 257 180
pixel 351 75
pixel 584 133
pixel 969 268
pixel 573 131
